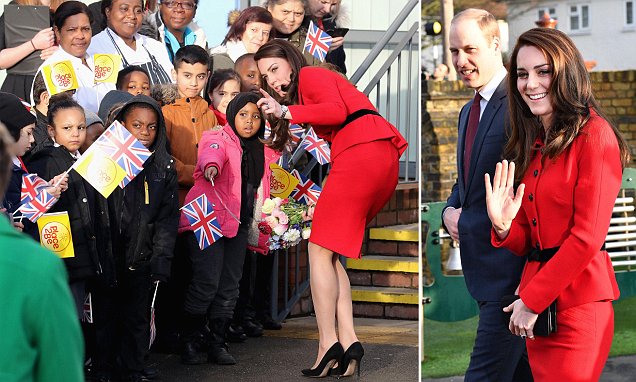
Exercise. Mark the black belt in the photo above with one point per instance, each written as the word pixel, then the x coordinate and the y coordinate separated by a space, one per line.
pixel 543 255
pixel 357 114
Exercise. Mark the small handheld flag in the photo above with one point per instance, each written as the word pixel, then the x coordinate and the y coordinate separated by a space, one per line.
pixel 316 147
pixel 37 206
pixel 282 183
pixel 202 218
pixel 317 42
pixel 306 191
pixel 31 187
pixel 55 234
pixel 124 149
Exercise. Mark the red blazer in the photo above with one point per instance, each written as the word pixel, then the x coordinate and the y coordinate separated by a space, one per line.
pixel 326 99
pixel 568 204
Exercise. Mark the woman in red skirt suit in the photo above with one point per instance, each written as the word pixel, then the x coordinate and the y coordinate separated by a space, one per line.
pixel 365 149
pixel 569 161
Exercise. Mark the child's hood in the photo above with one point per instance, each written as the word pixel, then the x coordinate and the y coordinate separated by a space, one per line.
pixel 159 147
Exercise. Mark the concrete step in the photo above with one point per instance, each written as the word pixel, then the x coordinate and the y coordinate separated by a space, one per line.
pixel 385 295
pixel 404 264
pixel 401 232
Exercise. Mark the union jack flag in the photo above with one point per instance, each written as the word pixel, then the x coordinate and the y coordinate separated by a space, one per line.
pixel 202 218
pixel 306 191
pixel 37 206
pixel 296 132
pixel 87 314
pixel 31 186
pixel 124 149
pixel 316 147
pixel 317 42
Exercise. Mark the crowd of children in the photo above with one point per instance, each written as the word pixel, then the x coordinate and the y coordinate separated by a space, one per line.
pixel 206 133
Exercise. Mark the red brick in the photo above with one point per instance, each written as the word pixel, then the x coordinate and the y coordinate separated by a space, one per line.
pixel 387 218
pixel 407 216
pixel 393 202
pixel 363 309
pixel 382 247
pixel 408 249
pixel 403 312
pixel 393 279
pixel 359 278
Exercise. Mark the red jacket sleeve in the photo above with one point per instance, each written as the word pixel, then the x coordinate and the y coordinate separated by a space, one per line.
pixel 518 239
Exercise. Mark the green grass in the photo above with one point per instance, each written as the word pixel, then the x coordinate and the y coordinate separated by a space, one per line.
pixel 447 345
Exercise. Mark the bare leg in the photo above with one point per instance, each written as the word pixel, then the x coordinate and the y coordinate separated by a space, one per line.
pixel 344 310
pixel 324 292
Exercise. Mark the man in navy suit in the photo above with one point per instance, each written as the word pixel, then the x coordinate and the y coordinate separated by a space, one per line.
pixel 490 273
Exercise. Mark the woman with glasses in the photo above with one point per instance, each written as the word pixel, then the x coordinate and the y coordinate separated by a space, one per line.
pixel 121 36
pixel 173 24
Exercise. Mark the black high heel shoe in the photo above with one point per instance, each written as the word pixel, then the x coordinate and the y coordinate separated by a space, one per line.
pixel 351 360
pixel 333 355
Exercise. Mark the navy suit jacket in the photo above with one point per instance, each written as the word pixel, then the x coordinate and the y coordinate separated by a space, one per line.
pixel 490 273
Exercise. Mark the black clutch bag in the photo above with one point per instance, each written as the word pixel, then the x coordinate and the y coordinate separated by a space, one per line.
pixel 546 322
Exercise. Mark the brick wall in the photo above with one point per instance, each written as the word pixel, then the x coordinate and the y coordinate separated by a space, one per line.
pixel 442 101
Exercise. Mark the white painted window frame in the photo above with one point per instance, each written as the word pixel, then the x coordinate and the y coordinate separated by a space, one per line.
pixel 579 14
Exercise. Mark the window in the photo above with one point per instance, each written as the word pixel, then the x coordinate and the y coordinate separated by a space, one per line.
pixel 629 14
pixel 551 11
pixel 579 17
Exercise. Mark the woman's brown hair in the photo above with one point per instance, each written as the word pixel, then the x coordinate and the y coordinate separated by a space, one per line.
pixel 570 94
pixel 285 50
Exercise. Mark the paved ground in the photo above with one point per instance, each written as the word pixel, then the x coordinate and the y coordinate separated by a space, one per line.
pixel 390 346
pixel 617 369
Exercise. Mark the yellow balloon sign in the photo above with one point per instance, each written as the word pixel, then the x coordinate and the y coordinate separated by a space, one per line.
pixel 60 77
pixel 55 234
pixel 107 67
pixel 282 183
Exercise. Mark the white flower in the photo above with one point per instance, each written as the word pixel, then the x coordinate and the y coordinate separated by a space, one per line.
pixel 277 201
pixel 306 232
pixel 292 235
pixel 268 206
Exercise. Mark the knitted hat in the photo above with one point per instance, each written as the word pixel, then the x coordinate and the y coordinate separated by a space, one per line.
pixel 112 98
pixel 14 114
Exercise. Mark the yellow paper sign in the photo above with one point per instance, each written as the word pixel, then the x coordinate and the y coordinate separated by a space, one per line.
pixel 55 234
pixel 282 183
pixel 60 77
pixel 107 67
pixel 100 171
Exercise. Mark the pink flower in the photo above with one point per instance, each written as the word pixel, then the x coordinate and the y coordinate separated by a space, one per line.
pixel 280 229
pixel 272 221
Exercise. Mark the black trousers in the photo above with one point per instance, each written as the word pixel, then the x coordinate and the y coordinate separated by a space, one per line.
pixel 255 289
pixel 498 355
pixel 121 318
pixel 216 273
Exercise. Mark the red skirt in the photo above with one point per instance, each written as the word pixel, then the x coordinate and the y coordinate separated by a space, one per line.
pixel 579 348
pixel 361 181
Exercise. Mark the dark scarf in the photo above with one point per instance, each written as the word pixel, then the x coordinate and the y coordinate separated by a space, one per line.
pixel 253 161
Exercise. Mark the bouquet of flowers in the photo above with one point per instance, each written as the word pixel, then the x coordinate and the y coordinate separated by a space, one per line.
pixel 287 222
